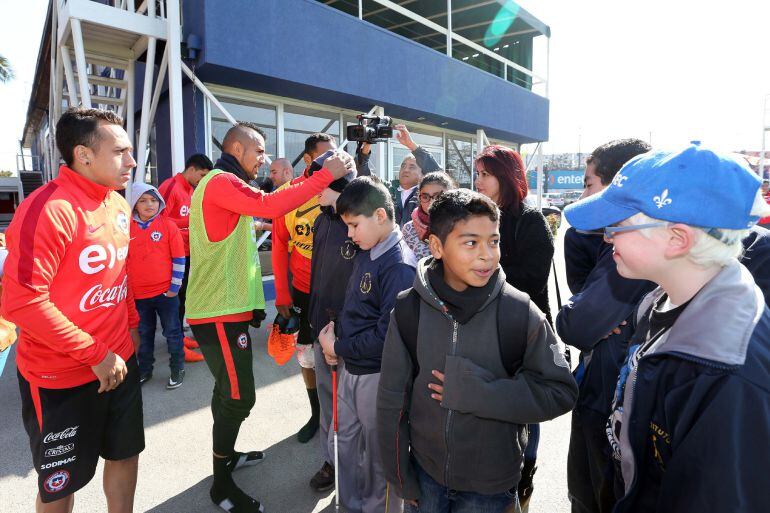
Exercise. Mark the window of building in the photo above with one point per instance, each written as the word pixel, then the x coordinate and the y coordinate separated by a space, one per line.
pixel 459 159
pixel 262 115
pixel 299 123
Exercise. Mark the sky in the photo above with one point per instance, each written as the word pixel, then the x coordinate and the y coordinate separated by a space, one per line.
pixel 667 71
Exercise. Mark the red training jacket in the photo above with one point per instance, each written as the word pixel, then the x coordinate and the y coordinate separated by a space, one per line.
pixel 177 193
pixel 150 256
pixel 227 198
pixel 65 282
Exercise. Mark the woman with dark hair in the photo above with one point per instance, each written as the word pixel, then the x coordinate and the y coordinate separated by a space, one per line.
pixel 416 231
pixel 526 251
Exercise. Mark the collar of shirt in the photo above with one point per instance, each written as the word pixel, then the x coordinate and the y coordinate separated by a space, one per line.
pixel 93 189
pixel 382 247
pixel 405 193
pixel 183 182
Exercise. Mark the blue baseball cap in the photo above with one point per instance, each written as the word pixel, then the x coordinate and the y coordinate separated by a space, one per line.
pixel 695 186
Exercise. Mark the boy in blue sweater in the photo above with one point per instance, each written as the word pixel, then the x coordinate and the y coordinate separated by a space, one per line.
pixel 383 268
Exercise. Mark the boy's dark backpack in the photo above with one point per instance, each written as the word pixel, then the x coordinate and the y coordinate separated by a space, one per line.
pixel 512 325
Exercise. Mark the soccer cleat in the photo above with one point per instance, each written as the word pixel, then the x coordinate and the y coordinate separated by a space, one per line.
pixel 190 343
pixel 235 501
pixel 192 356
pixel 245 459
pixel 175 380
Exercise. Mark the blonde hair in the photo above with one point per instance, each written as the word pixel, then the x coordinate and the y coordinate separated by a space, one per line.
pixel 713 249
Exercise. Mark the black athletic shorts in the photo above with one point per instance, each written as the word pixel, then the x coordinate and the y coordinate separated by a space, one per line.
pixel 302 304
pixel 70 428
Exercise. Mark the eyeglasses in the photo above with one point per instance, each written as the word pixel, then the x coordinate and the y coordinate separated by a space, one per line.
pixel 610 231
pixel 427 198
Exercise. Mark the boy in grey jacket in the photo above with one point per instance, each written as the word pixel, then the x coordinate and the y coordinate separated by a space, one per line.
pixel 455 391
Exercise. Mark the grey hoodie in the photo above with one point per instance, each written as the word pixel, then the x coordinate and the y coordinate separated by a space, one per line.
pixel 139 188
pixel 474 439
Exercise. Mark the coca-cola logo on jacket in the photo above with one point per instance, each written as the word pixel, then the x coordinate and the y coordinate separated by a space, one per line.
pixel 101 297
pixel 70 432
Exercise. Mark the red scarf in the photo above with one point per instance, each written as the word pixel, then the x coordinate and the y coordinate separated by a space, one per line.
pixel 421 222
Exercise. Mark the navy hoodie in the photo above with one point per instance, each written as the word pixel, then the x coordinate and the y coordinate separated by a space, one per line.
pixel 330 268
pixel 606 300
pixel 378 276
pixel 581 251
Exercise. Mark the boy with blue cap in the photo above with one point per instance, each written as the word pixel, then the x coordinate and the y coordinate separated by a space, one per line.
pixel 690 425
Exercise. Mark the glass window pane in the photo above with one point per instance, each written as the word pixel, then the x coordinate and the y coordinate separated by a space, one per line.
pixel 459 160
pixel 299 123
pixel 262 115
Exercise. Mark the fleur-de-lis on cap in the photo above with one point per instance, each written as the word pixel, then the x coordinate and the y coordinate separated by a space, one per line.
pixel 662 200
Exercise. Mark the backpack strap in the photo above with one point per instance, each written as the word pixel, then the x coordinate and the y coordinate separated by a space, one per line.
pixel 407 314
pixel 512 327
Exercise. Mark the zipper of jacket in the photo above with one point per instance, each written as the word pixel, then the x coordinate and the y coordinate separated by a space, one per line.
pixel 448 425
pixel 682 356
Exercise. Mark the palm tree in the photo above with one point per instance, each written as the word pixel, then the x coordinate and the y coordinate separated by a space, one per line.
pixel 6 72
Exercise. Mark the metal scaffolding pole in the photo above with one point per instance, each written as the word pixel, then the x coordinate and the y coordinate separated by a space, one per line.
pixel 176 117
pixel 80 61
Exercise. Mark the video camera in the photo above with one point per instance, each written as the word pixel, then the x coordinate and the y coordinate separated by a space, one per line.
pixel 371 129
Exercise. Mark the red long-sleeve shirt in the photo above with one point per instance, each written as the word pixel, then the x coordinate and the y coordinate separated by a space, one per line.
pixel 153 253
pixel 177 193
pixel 285 257
pixel 227 198
pixel 65 282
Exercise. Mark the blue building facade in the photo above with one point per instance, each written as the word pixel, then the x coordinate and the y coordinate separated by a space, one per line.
pixel 295 67
pixel 299 66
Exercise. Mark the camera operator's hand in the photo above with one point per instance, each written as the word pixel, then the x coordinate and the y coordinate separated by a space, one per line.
pixel 366 148
pixel 340 164
pixel 402 136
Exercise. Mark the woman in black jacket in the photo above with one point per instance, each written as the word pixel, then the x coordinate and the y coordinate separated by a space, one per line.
pixel 526 243
pixel 526 252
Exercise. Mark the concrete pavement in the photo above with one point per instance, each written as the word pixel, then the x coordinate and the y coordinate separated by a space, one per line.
pixel 175 468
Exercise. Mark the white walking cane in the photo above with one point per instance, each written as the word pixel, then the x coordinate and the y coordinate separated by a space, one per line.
pixel 336 449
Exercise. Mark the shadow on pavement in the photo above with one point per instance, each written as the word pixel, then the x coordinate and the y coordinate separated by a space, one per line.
pixel 160 405
pixel 280 483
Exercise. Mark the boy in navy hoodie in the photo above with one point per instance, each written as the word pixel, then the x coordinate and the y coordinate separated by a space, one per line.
pixel 689 423
pixel 380 271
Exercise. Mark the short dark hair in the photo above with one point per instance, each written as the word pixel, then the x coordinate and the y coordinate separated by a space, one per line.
pixel 78 126
pixel 363 196
pixel 312 141
pixel 440 178
pixel 458 205
pixel 250 125
pixel 610 157
pixel 199 161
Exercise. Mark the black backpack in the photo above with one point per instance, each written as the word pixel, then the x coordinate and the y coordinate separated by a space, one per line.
pixel 512 325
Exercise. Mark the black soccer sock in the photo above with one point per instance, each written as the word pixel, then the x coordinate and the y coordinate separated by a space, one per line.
pixel 308 430
pixel 224 433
